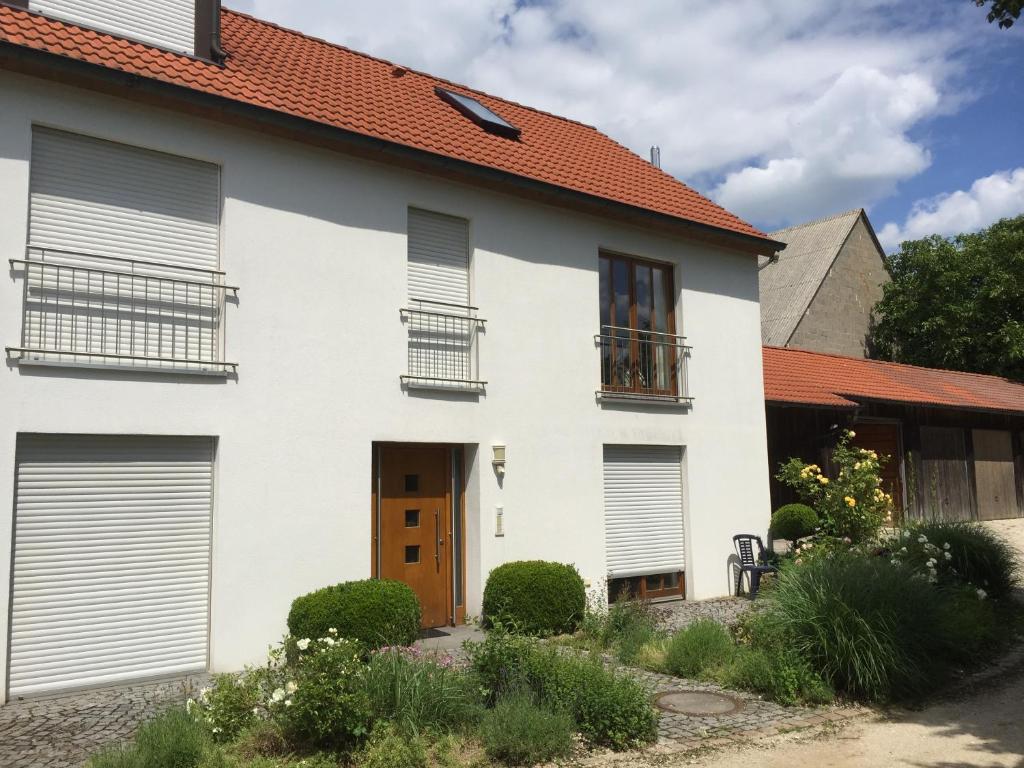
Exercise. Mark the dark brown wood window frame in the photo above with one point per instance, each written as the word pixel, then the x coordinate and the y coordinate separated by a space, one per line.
pixel 641 352
pixel 640 588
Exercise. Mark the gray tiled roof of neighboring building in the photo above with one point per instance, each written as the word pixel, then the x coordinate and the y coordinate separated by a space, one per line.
pixel 789 285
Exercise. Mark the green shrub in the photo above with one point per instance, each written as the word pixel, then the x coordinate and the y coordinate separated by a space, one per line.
pixel 535 597
pixel 872 629
pixel 171 740
pixel 698 649
pixel 500 661
pixel 962 553
pixel 793 522
pixel 631 625
pixel 776 673
pixel 388 747
pixel 325 704
pixel 610 708
pixel 518 731
pixel 376 612
pixel 421 694
pixel 226 706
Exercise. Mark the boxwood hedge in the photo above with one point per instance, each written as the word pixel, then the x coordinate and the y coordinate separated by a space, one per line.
pixel 535 597
pixel 375 612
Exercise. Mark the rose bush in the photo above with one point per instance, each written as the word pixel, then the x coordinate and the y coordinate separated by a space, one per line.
pixel 851 504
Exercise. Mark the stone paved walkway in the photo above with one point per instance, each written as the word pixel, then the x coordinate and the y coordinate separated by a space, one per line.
pixel 62 731
pixel 756 717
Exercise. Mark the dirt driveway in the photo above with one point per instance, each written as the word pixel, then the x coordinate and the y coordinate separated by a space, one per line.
pixel 984 729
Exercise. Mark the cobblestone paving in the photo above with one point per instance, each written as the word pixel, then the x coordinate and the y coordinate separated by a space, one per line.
pixel 756 718
pixel 62 731
pixel 725 610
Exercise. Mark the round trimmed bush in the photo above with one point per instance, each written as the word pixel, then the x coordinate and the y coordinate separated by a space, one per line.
pixel 535 597
pixel 794 521
pixel 375 612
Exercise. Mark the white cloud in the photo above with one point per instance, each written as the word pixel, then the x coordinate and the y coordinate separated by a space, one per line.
pixel 850 144
pixel 989 199
pixel 784 109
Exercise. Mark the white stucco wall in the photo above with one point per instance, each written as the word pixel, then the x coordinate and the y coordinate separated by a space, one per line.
pixel 316 240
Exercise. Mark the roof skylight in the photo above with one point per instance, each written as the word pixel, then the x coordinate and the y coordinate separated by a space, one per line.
pixel 478 113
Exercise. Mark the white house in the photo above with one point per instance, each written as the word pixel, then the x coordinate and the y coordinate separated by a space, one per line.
pixel 279 315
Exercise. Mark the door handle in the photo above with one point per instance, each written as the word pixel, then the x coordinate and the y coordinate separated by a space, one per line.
pixel 437 538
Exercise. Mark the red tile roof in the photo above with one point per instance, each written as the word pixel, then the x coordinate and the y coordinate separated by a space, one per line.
pixel 288 72
pixel 812 378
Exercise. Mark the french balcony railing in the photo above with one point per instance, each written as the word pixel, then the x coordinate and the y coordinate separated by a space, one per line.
pixel 443 352
pixel 102 311
pixel 643 365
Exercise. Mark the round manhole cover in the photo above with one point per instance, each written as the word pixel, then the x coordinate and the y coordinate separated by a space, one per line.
pixel 698 703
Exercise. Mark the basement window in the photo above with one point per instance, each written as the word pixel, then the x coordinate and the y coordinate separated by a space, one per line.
pixel 478 113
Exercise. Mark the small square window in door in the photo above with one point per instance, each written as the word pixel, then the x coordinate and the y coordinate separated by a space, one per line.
pixel 412 554
pixel 412 518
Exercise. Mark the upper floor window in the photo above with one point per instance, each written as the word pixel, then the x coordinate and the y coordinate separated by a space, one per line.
pixel 122 262
pixel 443 326
pixel 640 354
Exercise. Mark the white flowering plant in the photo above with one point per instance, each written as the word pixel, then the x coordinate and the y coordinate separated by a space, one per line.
pixel 957 554
pixel 232 703
pixel 851 503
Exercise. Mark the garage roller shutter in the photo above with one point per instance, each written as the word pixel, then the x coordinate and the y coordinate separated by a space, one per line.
pixel 111 559
pixel 643 508
pixel 96 197
pixel 438 258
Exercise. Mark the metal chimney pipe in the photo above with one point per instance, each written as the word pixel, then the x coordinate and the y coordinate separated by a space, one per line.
pixel 656 156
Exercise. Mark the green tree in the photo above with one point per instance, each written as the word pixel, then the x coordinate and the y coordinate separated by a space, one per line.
pixel 1004 11
pixel 956 302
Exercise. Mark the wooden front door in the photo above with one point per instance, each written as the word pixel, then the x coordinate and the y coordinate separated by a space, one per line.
pixel 415 512
pixel 884 439
pixel 944 483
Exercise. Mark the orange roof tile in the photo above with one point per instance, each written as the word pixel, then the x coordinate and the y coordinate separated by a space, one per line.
pixel 288 72
pixel 811 378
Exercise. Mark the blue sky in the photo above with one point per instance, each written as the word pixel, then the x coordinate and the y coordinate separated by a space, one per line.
pixel 781 110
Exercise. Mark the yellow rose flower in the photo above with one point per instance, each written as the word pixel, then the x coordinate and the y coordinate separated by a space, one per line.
pixel 822 479
pixel 850 501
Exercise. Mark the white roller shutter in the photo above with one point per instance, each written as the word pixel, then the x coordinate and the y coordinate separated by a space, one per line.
pixel 643 509
pixel 165 23
pixel 438 258
pixel 111 559
pixel 96 197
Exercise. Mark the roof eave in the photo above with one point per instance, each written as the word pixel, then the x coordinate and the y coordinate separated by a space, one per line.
pixel 71 71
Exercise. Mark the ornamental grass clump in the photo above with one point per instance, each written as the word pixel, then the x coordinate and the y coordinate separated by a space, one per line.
pixel 171 740
pixel 850 504
pixel 699 649
pixel 521 731
pixel 872 629
pixel 421 694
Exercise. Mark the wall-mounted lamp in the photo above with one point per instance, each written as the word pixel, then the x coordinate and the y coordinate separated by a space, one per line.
pixel 498 459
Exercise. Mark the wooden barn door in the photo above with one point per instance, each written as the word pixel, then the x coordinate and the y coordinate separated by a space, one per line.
pixel 994 474
pixel 945 484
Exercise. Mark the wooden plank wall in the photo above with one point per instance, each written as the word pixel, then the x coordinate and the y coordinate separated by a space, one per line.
pixel 938 466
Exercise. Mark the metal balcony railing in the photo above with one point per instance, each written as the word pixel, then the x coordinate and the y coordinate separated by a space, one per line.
pixel 443 346
pixel 642 365
pixel 102 311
